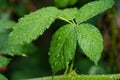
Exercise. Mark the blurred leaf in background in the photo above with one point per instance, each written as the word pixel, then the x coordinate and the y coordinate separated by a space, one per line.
pixel 64 3
pixel 2 77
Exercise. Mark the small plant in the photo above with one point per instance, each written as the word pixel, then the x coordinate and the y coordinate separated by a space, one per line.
pixel 64 41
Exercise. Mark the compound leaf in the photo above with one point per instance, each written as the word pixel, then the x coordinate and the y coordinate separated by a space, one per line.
pixel 62 47
pixel 31 26
pixel 4 61
pixel 92 9
pixel 90 41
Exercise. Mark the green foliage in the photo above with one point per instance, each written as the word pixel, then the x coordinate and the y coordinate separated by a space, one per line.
pixel 92 9
pixel 17 49
pixel 2 77
pixel 90 41
pixel 64 41
pixel 5 28
pixel 4 61
pixel 31 26
pixel 63 46
pixel 18 39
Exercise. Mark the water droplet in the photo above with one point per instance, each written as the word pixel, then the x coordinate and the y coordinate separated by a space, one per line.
pixel 24 55
pixel 51 19
pixel 57 55
pixel 49 53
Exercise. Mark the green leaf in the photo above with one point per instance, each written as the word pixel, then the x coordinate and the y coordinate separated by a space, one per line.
pixel 31 26
pixel 68 14
pixel 6 24
pixel 90 41
pixel 19 49
pixel 2 77
pixel 3 41
pixel 62 49
pixel 5 27
pixel 14 49
pixel 92 9
pixel 4 61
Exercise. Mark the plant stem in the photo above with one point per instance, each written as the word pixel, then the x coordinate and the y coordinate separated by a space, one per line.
pixel 81 77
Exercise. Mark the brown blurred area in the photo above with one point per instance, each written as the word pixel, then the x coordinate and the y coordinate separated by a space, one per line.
pixel 109 26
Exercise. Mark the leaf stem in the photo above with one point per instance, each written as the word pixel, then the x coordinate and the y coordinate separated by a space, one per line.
pixel 66 70
pixel 71 66
pixel 73 22
pixel 66 20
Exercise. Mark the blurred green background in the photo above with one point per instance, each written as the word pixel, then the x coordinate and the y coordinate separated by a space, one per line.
pixel 36 64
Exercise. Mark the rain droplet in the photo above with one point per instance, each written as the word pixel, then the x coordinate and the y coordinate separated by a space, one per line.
pixel 49 53
pixel 24 55
pixel 51 19
pixel 57 55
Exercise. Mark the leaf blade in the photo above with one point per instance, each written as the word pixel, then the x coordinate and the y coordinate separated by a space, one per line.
pixel 62 49
pixel 68 14
pixel 31 26
pixel 90 41
pixel 92 9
